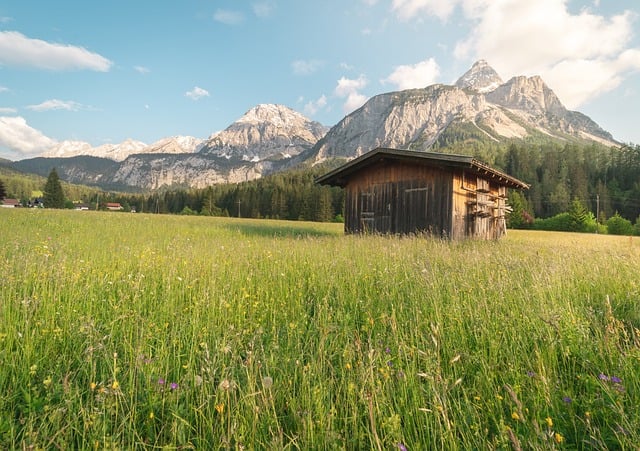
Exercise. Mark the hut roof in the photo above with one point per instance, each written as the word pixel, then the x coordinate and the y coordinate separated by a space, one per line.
pixel 341 175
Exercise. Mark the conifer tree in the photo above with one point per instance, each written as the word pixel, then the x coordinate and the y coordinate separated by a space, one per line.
pixel 3 191
pixel 53 194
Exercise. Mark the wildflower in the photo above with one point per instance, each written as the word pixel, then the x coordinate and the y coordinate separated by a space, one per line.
pixel 515 416
pixel 401 447
pixel 151 415
pixel 47 382
pixel 347 366
pixel 567 399
pixel 615 380
pixel 219 408
pixel 226 385
pixel 531 374
pixel 603 377
pixel 115 385
pixel 197 380
pixel 587 415
pixel 92 386
pixel 549 422
pixel 558 437
pixel 32 369
pixel 173 386
pixel 161 381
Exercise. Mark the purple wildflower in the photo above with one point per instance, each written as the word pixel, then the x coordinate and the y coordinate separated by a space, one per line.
pixel 173 386
pixel 567 399
pixel 161 381
pixel 531 374
pixel 615 380
pixel 603 377
pixel 401 447
pixel 387 350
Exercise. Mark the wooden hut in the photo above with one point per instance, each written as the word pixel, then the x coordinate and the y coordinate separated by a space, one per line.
pixel 403 192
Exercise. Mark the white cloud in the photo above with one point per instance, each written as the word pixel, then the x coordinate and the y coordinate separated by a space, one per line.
pixel 419 75
pixel 306 67
pixel 21 139
pixel 19 50
pixel 228 17
pixel 408 9
pixel 141 69
pixel 313 106
pixel 263 9
pixel 4 89
pixel 197 93
pixel 349 89
pixel 8 110
pixel 55 104
pixel 579 55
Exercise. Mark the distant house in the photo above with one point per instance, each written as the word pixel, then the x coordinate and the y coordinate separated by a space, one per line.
pixel 404 192
pixel 10 203
pixel 113 206
pixel 81 207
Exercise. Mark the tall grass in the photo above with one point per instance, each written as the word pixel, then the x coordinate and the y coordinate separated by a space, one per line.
pixel 141 331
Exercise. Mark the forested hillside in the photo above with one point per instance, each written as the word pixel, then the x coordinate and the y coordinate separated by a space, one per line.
pixel 558 174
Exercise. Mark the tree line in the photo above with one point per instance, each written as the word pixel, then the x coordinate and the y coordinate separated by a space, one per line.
pixel 604 181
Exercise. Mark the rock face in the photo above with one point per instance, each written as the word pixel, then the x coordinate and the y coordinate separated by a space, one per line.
pixel 265 132
pixel 414 119
pixel 481 78
pixel 269 137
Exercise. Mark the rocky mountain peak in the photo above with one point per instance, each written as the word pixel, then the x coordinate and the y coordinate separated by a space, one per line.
pixel 265 131
pixel 481 78
pixel 278 115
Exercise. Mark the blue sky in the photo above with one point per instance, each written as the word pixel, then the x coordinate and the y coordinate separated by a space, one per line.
pixel 103 72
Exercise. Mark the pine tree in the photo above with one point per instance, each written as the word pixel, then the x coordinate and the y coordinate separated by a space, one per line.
pixel 3 191
pixel 53 194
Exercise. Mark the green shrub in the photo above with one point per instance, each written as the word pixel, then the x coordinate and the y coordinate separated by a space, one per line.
pixel 617 225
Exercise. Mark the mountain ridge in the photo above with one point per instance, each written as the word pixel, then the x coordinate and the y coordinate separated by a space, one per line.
pixel 270 138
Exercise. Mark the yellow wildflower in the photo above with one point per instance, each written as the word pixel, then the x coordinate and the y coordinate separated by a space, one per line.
pixel 558 437
pixel 515 416
pixel 47 381
pixel 549 422
pixel 115 385
pixel 93 386
pixel 219 408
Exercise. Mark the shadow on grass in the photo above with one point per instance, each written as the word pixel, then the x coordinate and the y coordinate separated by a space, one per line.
pixel 279 231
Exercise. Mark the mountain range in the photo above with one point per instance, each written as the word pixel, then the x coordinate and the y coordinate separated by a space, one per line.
pixel 270 138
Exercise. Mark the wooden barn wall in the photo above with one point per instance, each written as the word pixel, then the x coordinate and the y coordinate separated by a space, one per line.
pixel 394 197
pixel 479 207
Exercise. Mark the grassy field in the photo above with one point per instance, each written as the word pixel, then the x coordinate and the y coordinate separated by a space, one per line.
pixel 138 331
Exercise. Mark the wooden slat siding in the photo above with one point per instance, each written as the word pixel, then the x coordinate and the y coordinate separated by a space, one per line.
pixel 399 198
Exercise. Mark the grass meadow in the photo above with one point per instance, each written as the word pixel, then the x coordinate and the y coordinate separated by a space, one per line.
pixel 135 331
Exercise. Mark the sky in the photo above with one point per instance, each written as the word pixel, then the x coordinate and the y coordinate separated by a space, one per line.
pixel 104 72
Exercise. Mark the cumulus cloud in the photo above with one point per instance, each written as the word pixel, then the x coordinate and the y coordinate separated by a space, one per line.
pixel 197 93
pixel 350 89
pixel 580 55
pixel 306 67
pixel 20 139
pixel 228 17
pixel 19 50
pixel 55 104
pixel 313 106
pixel 419 75
pixel 408 9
